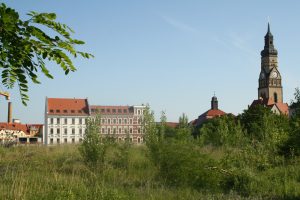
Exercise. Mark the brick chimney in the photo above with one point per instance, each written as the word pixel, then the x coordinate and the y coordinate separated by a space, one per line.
pixel 9 114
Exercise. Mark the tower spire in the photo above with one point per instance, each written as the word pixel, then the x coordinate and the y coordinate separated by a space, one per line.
pixel 269 48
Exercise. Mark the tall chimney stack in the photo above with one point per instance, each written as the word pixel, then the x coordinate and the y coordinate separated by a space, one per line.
pixel 9 114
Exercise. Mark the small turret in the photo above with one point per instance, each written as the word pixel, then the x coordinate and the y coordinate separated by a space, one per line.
pixel 214 103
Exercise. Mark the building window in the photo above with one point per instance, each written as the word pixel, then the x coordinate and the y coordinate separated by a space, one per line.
pixel 66 121
pixel 51 141
pixel 119 110
pixel 72 111
pixel 51 120
pixel 73 121
pixel 108 121
pixel 114 110
pixel 108 110
pixel 120 130
pixel 58 131
pixel 58 141
pixel 125 110
pixel 139 112
pixel 103 130
pixel 130 130
pixel 275 97
pixel 114 131
pixel 108 130
pixel 58 111
pixel 65 140
pixel 120 121
pixel 139 130
pixel 125 121
pixel 51 131
pixel 65 131
pixel 130 121
pixel 73 140
pixel 80 139
pixel 58 121
pixel 103 121
pixel 65 111
pixel 80 131
pixel 139 140
pixel 51 111
pixel 73 131
pixel 115 121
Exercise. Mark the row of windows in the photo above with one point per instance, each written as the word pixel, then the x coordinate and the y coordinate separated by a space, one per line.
pixel 58 141
pixel 65 131
pixel 119 130
pixel 65 111
pixel 118 121
pixel 65 120
pixel 64 141
pixel 102 110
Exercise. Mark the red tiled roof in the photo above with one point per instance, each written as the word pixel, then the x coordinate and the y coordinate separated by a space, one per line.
pixel 14 126
pixel 172 124
pixel 214 113
pixel 207 115
pixel 65 106
pixel 111 110
pixel 282 107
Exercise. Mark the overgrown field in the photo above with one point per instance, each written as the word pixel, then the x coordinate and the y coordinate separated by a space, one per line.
pixel 60 173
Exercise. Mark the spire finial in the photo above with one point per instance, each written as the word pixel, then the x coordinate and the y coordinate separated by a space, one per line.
pixel 214 93
pixel 269 27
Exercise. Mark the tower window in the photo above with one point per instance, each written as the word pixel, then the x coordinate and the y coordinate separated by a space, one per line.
pixel 275 97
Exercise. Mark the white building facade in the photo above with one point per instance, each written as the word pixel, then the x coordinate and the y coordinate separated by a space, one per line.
pixel 65 121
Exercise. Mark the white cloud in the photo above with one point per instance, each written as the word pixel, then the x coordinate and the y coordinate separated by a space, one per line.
pixel 179 25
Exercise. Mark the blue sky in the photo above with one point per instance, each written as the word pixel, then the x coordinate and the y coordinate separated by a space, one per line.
pixel 172 54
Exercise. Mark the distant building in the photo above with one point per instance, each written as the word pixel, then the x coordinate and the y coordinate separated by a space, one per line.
pixel 121 121
pixel 270 81
pixel 18 133
pixel 213 112
pixel 66 118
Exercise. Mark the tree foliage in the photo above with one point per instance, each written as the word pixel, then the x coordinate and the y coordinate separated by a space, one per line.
pixel 93 148
pixel 24 47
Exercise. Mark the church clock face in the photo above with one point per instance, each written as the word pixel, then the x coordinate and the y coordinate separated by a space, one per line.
pixel 274 74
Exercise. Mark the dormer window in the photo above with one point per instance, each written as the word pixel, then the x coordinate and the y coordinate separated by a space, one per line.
pixel 58 111
pixel 51 111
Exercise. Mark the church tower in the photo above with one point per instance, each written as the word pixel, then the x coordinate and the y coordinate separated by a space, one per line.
pixel 269 82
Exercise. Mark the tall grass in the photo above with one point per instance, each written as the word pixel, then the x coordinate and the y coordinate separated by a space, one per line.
pixel 30 172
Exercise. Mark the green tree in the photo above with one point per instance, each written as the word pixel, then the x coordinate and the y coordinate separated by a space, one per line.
pixel 24 47
pixel 295 104
pixel 93 147
pixel 184 130
pixel 151 135
pixel 224 130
